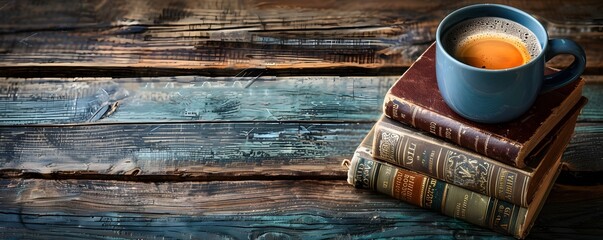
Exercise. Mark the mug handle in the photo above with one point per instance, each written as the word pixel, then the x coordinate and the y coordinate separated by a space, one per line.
pixel 569 74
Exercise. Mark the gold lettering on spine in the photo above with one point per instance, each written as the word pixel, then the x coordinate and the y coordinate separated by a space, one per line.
pixel 385 179
pixel 430 192
pixel 500 182
pixel 498 217
pixel 464 207
pixel 398 184
pixel 408 183
pixel 387 173
pixel 364 171
pixel 509 187
pixel 404 188
pixel 431 160
pixel 410 153
pixel 503 213
pixel 505 184
pixel 460 209
pixel 397 188
pixel 448 133
pixel 432 127
pixel 457 210
pixel 464 204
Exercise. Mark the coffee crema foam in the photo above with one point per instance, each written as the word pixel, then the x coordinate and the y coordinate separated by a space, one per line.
pixel 497 42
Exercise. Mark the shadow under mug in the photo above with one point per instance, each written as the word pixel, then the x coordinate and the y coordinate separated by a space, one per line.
pixel 496 96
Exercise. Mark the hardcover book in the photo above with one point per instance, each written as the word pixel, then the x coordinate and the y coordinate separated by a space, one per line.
pixel 415 99
pixel 421 190
pixel 427 192
pixel 416 150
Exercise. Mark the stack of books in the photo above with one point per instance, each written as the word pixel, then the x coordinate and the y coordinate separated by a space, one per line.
pixel 497 176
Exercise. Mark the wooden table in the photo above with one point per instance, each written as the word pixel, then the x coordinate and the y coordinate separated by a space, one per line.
pixel 229 119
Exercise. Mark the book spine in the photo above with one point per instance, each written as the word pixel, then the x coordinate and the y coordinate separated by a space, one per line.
pixel 454 131
pixel 430 193
pixel 434 157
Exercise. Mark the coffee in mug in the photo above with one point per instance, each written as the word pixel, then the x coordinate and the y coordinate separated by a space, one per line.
pixel 491 43
pixel 490 62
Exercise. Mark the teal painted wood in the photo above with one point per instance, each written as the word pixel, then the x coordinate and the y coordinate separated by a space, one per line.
pixel 246 97
pixel 256 131
pixel 212 150
pixel 583 152
pixel 106 37
pixel 26 101
pixel 205 150
pixel 34 208
pixel 593 90
pixel 232 210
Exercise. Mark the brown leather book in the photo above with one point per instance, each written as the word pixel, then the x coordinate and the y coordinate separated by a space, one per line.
pixel 415 100
pixel 423 191
pixel 419 151
pixel 426 191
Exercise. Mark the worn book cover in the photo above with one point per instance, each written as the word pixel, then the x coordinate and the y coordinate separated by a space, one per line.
pixel 415 99
pixel 416 150
pixel 419 189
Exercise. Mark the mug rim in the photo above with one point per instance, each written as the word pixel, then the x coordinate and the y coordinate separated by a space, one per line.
pixel 439 31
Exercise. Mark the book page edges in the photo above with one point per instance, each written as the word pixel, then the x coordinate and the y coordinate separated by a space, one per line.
pixel 539 200
pixel 569 103
pixel 558 145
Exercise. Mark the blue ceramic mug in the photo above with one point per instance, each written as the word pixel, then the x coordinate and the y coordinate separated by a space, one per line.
pixel 500 95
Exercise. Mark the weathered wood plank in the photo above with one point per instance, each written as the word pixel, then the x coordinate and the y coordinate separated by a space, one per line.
pixel 585 145
pixel 218 127
pixel 215 149
pixel 241 34
pixel 245 97
pixel 204 150
pixel 248 96
pixel 211 150
pixel 34 208
pixel 593 90
pixel 587 138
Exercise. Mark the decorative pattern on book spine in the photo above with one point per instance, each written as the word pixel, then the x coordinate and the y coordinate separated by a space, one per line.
pixel 421 153
pixel 430 193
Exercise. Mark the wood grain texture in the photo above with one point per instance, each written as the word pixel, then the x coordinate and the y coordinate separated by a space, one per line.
pixel 593 111
pixel 227 128
pixel 211 150
pixel 204 150
pixel 241 34
pixel 256 100
pixel 247 96
pixel 34 208
pixel 585 145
